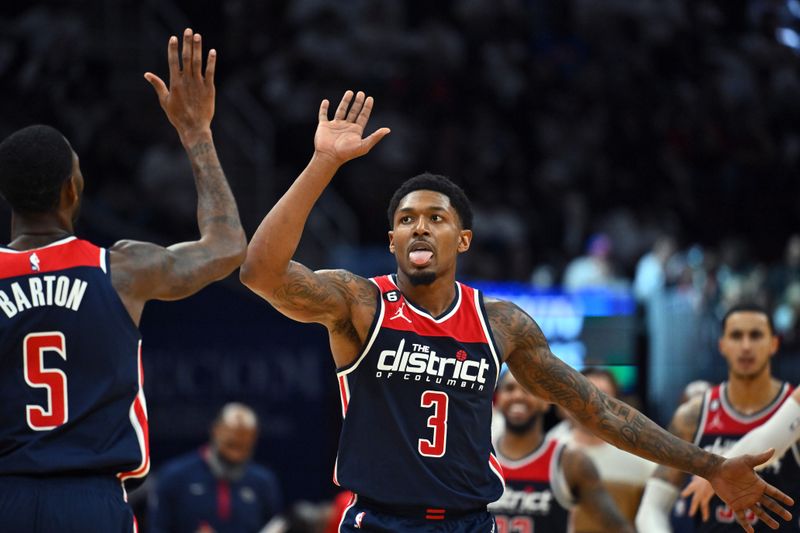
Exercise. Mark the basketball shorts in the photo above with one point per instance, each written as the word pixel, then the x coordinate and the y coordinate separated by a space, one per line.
pixel 361 517
pixel 80 504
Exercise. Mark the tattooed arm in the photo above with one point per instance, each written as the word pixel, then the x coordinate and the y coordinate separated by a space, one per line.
pixel 684 425
pixel 528 355
pixel 661 490
pixel 325 297
pixel 143 271
pixel 585 484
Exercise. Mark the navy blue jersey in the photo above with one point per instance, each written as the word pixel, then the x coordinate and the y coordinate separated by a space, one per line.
pixel 417 407
pixel 720 427
pixel 70 366
pixel 537 497
pixel 188 496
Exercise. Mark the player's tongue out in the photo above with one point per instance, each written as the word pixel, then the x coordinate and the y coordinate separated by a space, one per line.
pixel 420 257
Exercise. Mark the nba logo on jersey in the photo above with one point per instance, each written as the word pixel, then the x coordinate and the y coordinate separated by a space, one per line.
pixel 34 262
pixel 359 519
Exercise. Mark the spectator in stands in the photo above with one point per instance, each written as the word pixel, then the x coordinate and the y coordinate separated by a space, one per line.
pixel 218 489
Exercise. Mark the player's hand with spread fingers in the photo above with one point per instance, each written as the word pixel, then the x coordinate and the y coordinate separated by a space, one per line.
pixel 189 100
pixel 738 485
pixel 701 493
pixel 341 139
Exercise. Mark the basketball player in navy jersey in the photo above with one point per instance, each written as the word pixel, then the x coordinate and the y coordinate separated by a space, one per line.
pixel 725 413
pixel 545 480
pixel 418 356
pixel 73 422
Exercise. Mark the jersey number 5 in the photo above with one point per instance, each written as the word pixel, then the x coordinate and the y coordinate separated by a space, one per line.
pixel 438 421
pixel 55 413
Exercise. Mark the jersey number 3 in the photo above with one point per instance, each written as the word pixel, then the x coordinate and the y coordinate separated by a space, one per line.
pixel 437 445
pixel 53 380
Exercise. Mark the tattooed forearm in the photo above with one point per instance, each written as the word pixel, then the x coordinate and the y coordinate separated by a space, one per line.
pixel 321 296
pixel 530 359
pixel 216 206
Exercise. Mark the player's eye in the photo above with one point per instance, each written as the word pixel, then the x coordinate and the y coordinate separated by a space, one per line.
pixel 436 218
pixel 405 220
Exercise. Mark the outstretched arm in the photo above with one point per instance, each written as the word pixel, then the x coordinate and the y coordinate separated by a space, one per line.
pixel 296 291
pixel 533 364
pixel 143 271
pixel 591 495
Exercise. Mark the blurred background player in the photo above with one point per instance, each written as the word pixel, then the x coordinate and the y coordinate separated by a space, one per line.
pixel 442 344
pixel 73 426
pixel 217 488
pixel 623 474
pixel 544 479
pixel 723 415
pixel 781 431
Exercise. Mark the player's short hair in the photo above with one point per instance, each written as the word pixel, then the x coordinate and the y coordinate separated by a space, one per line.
pixel 34 164
pixel 604 373
pixel 748 307
pixel 437 183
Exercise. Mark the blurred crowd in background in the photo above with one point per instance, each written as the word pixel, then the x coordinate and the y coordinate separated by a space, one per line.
pixel 649 145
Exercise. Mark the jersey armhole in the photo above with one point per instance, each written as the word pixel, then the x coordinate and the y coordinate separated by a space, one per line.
pixel 561 491
pixel 377 320
pixel 701 422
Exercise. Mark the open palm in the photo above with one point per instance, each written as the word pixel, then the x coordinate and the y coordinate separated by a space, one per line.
pixel 341 139
pixel 743 490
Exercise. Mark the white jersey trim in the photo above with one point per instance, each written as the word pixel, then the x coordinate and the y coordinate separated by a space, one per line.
pixel 56 243
pixel 525 461
pixel 423 313
pixel 103 260
pixel 749 419
pixel 488 334
pixel 558 480
pixel 344 513
pixel 703 418
pixel 378 323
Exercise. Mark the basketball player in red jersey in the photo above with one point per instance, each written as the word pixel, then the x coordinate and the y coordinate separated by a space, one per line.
pixel 545 480
pixel 429 228
pixel 724 414
pixel 73 423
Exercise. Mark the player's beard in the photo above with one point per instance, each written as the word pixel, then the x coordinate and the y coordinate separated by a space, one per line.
pixel 523 427
pixel 423 277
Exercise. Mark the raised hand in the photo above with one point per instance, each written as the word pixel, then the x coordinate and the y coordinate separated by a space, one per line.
pixel 341 139
pixel 701 492
pixel 189 101
pixel 743 490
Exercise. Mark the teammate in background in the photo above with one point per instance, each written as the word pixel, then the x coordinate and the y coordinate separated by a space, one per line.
pixel 217 488
pixel 781 431
pixel 623 475
pixel 544 479
pixel 73 423
pixel 418 356
pixel 723 415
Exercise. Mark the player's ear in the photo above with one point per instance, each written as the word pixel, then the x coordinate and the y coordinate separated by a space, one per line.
pixel 70 192
pixel 464 240
pixel 391 241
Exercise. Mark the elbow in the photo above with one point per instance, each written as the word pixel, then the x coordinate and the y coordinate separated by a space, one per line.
pixel 230 254
pixel 251 274
pixel 247 274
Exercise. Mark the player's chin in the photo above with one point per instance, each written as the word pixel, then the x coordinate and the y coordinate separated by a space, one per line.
pixel 424 276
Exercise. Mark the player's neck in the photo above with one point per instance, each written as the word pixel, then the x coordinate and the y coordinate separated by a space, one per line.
pixel 751 394
pixel 518 445
pixel 435 297
pixel 39 229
